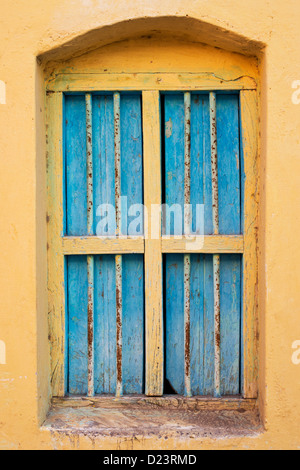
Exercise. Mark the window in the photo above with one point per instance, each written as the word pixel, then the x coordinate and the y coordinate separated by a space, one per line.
pixel 142 313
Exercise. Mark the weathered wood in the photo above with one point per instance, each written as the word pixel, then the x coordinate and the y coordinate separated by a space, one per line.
pixel 146 81
pixel 216 257
pixel 118 259
pixel 55 219
pixel 209 244
pixel 98 245
pixel 187 258
pixel 214 244
pixel 90 231
pixel 170 402
pixel 250 132
pixel 229 164
pixel 153 255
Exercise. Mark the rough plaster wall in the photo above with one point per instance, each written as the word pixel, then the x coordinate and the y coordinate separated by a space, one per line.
pixel 34 28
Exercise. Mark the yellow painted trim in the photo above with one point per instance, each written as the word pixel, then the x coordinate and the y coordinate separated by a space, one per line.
pixel 153 254
pixel 56 294
pixel 249 118
pixel 209 244
pixel 98 245
pixel 81 82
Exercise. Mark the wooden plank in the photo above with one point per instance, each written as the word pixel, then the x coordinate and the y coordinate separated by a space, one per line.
pixel 229 173
pixel 201 192
pixel 216 257
pixel 229 204
pixel 78 325
pixel 133 324
pixel 118 258
pixel 105 325
pixel 119 321
pixel 82 82
pixel 250 131
pixel 75 165
pixel 177 290
pixel 55 218
pixel 202 303
pixel 174 162
pixel 103 164
pixel 202 325
pixel 90 231
pixel 210 244
pixel 105 245
pixel 175 353
pixel 90 319
pixel 153 255
pixel 132 164
pixel 230 328
pixel 169 402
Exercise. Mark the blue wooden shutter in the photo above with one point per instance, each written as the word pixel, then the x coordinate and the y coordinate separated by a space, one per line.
pixel 104 271
pixel 202 348
pixel 201 278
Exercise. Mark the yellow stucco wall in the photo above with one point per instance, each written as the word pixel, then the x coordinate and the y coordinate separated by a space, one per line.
pixel 59 29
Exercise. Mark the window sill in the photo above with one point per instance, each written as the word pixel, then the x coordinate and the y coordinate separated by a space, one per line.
pixel 167 417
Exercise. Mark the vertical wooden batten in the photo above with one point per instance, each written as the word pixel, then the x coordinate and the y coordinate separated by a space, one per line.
pixel 187 257
pixel 55 219
pixel 118 258
pixel 153 248
pixel 250 131
pixel 216 257
pixel 90 258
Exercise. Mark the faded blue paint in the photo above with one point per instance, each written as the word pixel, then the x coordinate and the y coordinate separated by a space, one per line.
pixel 201 190
pixel 75 165
pixel 174 323
pixel 229 164
pixel 202 324
pixel 202 289
pixel 202 306
pixel 133 324
pixel 105 324
pixel 174 163
pixel 104 159
pixel 78 323
pixel 104 276
pixel 131 156
pixel 230 291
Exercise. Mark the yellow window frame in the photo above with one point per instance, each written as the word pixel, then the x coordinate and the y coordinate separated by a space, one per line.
pixel 59 246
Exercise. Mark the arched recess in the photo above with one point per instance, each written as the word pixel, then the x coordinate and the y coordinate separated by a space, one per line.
pixel 157 45
pixel 183 27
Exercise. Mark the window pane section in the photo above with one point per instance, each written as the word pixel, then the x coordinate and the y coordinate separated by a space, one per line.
pixel 105 324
